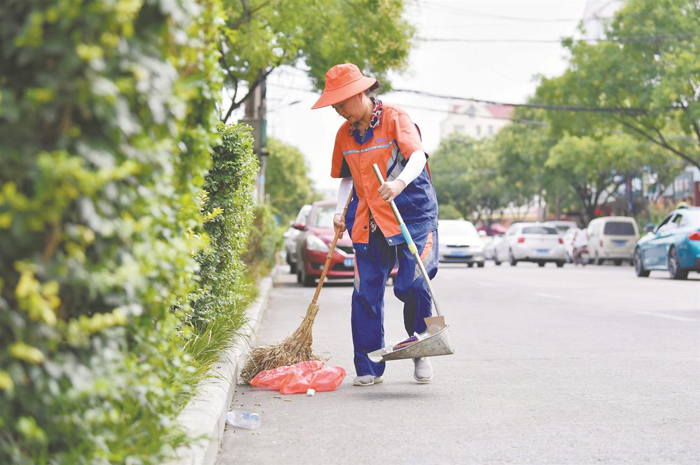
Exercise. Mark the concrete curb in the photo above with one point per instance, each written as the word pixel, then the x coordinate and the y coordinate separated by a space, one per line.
pixel 204 415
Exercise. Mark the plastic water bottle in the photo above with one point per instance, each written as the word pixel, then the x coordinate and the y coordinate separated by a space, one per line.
pixel 243 419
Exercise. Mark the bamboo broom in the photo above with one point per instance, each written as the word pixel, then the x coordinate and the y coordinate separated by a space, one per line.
pixel 297 347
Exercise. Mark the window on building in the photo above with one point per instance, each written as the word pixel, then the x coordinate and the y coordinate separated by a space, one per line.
pixel 478 130
pixel 490 130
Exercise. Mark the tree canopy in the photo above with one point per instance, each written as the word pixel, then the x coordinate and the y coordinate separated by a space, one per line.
pixel 262 35
pixel 647 69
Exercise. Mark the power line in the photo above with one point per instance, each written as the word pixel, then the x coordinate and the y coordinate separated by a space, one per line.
pixel 493 41
pixel 630 110
pixel 629 39
pixel 461 11
pixel 451 112
pixel 621 110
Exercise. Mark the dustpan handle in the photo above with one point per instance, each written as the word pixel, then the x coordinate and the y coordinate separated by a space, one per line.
pixel 409 240
pixel 330 254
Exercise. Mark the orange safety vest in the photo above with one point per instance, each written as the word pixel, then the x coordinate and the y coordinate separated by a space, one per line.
pixel 389 145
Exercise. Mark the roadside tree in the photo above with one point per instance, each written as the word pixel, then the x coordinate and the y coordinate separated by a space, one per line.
pixel 287 180
pixel 262 35
pixel 466 178
pixel 595 168
pixel 647 68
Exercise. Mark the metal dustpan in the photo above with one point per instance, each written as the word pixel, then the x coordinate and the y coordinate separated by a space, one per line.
pixel 431 346
pixel 435 340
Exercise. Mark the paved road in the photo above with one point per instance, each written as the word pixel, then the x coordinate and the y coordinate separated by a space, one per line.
pixel 555 366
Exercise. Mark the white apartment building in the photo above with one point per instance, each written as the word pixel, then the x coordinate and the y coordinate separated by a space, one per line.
pixel 476 120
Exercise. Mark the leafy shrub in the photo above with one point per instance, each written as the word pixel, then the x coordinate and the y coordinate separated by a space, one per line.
pixel 228 213
pixel 106 118
pixel 264 239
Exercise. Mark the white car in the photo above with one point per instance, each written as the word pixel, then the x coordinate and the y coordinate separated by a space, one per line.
pixel 561 225
pixel 568 239
pixel 460 243
pixel 490 247
pixel 290 237
pixel 531 242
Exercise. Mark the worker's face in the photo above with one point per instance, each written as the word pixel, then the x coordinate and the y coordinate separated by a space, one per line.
pixel 351 109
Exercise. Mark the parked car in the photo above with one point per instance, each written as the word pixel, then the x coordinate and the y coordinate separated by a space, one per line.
pixel 460 242
pixel 313 244
pixel 562 226
pixel 612 238
pixel 674 245
pixel 568 239
pixel 489 242
pixel 490 248
pixel 290 237
pixel 531 242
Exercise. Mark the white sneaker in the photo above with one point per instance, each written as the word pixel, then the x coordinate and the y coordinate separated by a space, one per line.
pixel 423 371
pixel 367 380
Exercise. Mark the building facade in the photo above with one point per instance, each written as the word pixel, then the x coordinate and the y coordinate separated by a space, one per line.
pixel 475 120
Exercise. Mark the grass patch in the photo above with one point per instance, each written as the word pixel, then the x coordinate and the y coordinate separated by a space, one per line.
pixel 212 340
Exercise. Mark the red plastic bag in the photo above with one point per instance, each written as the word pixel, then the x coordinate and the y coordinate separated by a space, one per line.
pixel 274 379
pixel 295 383
pixel 328 379
pixel 298 378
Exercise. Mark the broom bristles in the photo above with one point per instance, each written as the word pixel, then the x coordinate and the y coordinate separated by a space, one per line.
pixel 296 348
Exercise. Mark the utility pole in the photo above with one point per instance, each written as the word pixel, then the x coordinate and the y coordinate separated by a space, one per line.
pixel 256 117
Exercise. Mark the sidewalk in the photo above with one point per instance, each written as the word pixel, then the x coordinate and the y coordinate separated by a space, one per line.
pixel 348 425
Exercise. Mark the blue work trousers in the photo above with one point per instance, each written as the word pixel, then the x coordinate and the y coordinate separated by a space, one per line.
pixel 372 270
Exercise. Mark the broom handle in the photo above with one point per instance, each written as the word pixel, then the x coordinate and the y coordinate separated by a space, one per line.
pixel 330 254
pixel 409 240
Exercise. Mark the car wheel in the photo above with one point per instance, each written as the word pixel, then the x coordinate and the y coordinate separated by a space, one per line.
pixel 512 259
pixel 306 280
pixel 639 265
pixel 469 265
pixel 560 264
pixel 674 265
pixel 495 260
pixel 618 262
pixel 292 268
pixel 481 264
pixel 541 264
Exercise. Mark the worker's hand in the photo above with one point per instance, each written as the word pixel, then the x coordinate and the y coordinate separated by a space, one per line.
pixel 389 190
pixel 339 223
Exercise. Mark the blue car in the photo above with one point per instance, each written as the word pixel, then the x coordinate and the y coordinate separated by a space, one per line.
pixel 674 245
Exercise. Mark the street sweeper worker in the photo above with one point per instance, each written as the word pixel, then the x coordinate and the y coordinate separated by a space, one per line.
pixel 377 132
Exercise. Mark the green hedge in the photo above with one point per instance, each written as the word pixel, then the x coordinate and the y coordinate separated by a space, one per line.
pixel 106 121
pixel 264 240
pixel 218 305
pixel 228 214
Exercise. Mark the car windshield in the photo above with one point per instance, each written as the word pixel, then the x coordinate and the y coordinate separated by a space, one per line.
pixel 458 228
pixel 539 230
pixel 303 213
pixel 323 216
pixel 618 228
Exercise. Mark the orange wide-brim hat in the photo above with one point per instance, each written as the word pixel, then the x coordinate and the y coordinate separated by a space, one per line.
pixel 342 82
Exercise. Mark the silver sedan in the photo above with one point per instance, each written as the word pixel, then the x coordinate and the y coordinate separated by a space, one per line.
pixel 460 243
